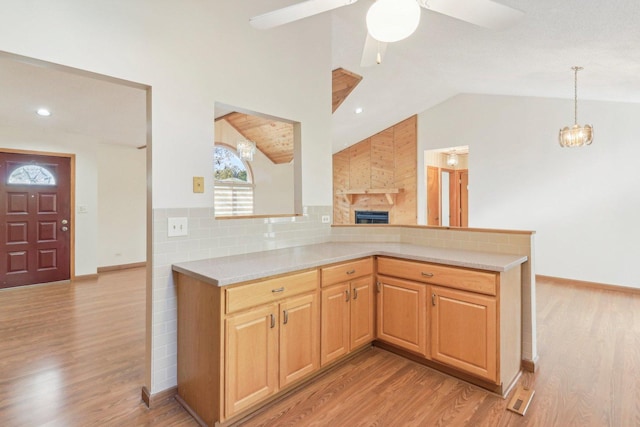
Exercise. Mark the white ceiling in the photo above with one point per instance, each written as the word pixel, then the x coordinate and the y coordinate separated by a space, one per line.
pixel 443 58
pixel 106 111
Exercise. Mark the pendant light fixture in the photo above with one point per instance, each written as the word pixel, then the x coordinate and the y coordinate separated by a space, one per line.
pixel 576 135
pixel 393 20
pixel 246 150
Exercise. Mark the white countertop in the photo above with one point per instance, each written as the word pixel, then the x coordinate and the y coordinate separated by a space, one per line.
pixel 229 270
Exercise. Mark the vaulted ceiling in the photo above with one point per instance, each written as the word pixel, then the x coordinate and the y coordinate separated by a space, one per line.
pixel 443 58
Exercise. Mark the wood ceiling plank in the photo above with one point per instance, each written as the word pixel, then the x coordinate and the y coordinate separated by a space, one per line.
pixel 343 82
pixel 273 138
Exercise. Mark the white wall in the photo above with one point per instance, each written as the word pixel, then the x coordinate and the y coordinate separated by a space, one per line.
pixel 193 54
pixel 273 183
pixel 122 205
pixel 583 203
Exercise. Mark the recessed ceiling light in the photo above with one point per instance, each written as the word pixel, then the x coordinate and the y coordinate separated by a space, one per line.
pixel 43 112
pixel 358 110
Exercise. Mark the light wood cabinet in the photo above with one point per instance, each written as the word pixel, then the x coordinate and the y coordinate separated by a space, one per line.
pixel 464 331
pixel 276 338
pixel 243 345
pixel 347 318
pixel 299 343
pixel 334 323
pixel 251 354
pixel 402 314
pixel 462 327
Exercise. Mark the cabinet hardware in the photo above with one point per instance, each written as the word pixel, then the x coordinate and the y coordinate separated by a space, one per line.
pixel 427 274
pixel 286 316
pixel 433 299
pixel 275 291
pixel 378 287
pixel 273 321
pixel 347 295
pixel 350 272
pixel 355 293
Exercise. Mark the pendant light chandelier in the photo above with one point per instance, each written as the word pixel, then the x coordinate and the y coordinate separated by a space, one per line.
pixel 576 135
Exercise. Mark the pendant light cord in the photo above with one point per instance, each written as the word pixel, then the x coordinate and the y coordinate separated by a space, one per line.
pixel 575 94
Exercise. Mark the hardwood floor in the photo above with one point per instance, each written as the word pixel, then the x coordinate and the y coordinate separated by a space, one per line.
pixel 73 355
pixel 589 375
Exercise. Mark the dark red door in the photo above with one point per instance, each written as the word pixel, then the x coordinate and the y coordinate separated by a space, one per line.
pixel 35 219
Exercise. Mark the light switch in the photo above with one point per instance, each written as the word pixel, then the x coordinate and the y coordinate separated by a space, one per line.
pixel 177 227
pixel 198 184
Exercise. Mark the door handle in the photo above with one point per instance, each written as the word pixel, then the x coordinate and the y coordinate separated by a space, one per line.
pixel 286 316
pixel 347 295
pixel 355 293
pixel 273 321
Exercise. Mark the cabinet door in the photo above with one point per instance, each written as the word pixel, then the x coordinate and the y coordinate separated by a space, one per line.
pixel 402 314
pixel 334 328
pixel 251 357
pixel 299 338
pixel 464 331
pixel 362 312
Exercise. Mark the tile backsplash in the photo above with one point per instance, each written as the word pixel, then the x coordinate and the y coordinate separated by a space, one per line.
pixel 210 238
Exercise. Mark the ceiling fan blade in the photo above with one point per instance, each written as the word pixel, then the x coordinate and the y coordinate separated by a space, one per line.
pixel 373 52
pixel 484 13
pixel 295 12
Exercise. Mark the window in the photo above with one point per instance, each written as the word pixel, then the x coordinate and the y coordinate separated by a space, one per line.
pixel 31 175
pixel 233 192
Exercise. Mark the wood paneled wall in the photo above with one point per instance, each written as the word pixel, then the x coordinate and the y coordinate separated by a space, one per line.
pixel 388 159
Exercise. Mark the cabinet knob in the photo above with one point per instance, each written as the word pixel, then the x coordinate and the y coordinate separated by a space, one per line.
pixel 275 291
pixel 355 293
pixel 350 272
pixel 433 299
pixel 346 295
pixel 285 314
pixel 273 321
pixel 427 274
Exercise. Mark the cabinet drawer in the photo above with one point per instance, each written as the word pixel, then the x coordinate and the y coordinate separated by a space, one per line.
pixel 346 271
pixel 270 290
pixel 453 277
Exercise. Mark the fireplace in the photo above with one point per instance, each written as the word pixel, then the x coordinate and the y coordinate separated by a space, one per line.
pixel 372 217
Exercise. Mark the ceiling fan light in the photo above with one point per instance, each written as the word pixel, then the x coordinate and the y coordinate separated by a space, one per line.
pixel 393 20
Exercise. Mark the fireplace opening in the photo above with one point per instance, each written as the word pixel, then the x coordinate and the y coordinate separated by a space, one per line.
pixel 372 217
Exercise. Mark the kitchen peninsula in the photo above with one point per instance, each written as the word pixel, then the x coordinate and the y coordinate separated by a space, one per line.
pixel 252 327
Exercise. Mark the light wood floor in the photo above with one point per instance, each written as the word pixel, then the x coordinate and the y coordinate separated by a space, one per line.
pixel 73 355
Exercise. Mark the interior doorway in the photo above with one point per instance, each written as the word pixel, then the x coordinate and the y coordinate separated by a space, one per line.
pixel 36 210
pixel 447 186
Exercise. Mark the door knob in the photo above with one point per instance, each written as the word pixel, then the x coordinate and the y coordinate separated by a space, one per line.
pixel 64 222
pixel 65 228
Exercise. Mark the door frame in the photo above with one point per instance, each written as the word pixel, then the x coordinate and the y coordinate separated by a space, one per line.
pixel 72 198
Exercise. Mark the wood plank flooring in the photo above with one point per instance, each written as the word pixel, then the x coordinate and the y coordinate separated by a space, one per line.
pixel 73 355
pixel 589 375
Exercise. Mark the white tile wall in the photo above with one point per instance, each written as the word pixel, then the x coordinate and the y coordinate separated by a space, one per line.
pixel 209 238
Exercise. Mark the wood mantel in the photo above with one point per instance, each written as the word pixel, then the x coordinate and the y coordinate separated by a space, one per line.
pixel 389 193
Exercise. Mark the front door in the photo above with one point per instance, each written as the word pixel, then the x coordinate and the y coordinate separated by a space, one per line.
pixel 35 219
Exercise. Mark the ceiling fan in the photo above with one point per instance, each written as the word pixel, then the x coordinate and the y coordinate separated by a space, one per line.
pixel 393 20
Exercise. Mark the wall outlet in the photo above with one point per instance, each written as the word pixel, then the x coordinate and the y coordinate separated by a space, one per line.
pixel 177 227
pixel 326 219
